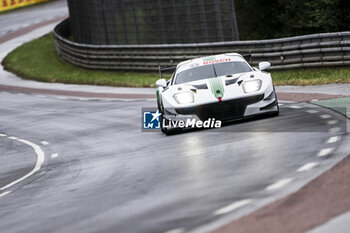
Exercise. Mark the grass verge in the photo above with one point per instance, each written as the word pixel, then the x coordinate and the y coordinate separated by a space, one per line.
pixel 37 60
pixel 312 76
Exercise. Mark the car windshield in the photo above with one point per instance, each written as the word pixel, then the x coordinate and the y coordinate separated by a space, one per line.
pixel 210 71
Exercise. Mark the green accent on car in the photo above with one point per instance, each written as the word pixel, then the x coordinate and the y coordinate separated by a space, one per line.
pixel 212 58
pixel 216 87
pixel 159 99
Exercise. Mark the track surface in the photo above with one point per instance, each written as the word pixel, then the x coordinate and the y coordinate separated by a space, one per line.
pixel 21 18
pixel 102 174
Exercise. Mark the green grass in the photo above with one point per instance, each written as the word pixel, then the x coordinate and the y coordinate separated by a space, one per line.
pixel 37 60
pixel 312 76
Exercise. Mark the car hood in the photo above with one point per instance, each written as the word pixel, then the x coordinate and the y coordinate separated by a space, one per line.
pixel 217 88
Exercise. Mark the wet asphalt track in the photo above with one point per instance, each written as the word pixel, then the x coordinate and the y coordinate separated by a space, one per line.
pixel 102 174
pixel 21 18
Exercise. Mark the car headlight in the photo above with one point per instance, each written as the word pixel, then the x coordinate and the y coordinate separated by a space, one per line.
pixel 184 97
pixel 252 86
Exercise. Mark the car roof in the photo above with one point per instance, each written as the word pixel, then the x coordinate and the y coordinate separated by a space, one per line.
pixel 202 61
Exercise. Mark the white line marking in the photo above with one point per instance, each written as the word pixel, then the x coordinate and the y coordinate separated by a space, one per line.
pixel 127 100
pixel 44 143
pixel 4 194
pixel 325 152
pixel 333 139
pixel 295 107
pixel 2 135
pixel 13 138
pixel 84 99
pixel 54 155
pixel 41 96
pixel 42 173
pixel 178 230
pixel 232 207
pixel 312 111
pixel 278 184
pixel 40 160
pixel 325 116
pixel 332 122
pixel 314 100
pixel 307 167
pixel 335 129
pixel 280 104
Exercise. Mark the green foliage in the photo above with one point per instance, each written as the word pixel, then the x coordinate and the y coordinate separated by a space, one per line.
pixel 267 19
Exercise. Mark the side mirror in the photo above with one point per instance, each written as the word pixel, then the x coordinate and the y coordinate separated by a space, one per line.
pixel 264 65
pixel 161 83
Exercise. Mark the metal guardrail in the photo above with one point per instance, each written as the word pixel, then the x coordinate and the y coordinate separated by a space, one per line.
pixel 317 50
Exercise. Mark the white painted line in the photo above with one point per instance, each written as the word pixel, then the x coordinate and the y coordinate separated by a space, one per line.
pixel 232 207
pixel 13 138
pixel 325 152
pixel 127 100
pixel 295 107
pixel 278 184
pixel 4 194
pixel 42 173
pixel 62 97
pixel 332 122
pixel 44 143
pixel 84 99
pixel 178 230
pixel 41 96
pixel 280 104
pixel 325 116
pixel 312 111
pixel 333 139
pixel 314 100
pixel 2 135
pixel 54 155
pixel 40 160
pixel 307 167
pixel 335 129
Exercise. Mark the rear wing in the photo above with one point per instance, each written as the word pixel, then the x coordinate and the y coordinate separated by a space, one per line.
pixel 166 70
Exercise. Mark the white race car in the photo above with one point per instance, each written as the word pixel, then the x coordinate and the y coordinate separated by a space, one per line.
pixel 222 87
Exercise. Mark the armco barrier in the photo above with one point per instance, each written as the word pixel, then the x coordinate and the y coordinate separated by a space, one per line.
pixel 317 50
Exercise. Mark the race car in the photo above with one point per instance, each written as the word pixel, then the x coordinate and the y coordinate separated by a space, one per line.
pixel 221 88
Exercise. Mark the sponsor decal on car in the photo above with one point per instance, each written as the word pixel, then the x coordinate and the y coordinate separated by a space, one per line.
pixel 207 62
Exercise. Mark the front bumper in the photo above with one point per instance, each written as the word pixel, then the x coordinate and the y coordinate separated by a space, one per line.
pixel 224 111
